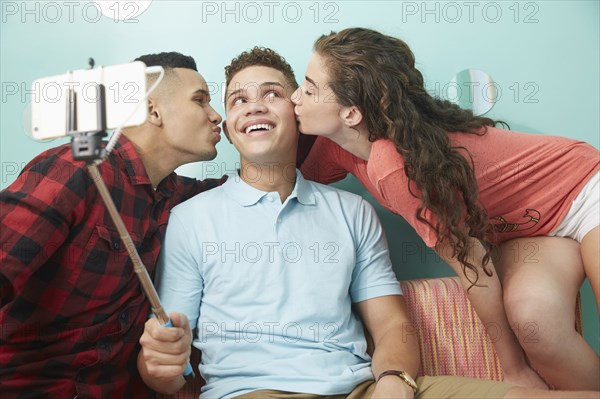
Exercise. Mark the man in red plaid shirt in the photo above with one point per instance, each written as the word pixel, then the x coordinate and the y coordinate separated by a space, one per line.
pixel 71 307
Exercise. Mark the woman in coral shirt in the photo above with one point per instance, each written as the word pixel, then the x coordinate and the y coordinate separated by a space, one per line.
pixel 464 186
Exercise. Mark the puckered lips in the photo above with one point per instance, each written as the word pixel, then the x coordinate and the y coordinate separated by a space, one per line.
pixel 297 115
pixel 217 132
pixel 257 127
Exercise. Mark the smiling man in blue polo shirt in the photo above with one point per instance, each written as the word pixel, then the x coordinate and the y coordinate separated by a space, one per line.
pixel 268 267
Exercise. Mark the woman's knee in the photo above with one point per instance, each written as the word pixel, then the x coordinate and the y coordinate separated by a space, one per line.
pixel 540 320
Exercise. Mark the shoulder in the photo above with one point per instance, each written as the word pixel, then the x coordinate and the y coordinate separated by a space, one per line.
pixel 201 203
pixel 326 150
pixel 53 185
pixel 329 194
pixel 187 187
pixel 385 156
pixel 55 159
pixel 54 167
pixel 190 183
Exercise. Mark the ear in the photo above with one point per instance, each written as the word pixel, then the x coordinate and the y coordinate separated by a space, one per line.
pixel 154 116
pixel 351 116
pixel 226 131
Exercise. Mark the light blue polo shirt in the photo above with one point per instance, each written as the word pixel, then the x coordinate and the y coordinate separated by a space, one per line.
pixel 269 286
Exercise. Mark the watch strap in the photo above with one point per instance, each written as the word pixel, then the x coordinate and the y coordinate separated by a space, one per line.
pixel 401 374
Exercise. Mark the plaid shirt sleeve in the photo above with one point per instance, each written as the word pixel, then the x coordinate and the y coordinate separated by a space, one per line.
pixel 71 307
pixel 35 216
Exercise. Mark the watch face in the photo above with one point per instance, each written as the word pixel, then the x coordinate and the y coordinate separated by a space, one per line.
pixel 409 381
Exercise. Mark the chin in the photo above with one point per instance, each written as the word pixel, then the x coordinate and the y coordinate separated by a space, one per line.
pixel 207 156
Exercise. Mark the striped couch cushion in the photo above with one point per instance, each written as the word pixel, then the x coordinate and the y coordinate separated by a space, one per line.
pixel 452 339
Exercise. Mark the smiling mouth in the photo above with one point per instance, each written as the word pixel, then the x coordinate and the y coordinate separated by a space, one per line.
pixel 260 127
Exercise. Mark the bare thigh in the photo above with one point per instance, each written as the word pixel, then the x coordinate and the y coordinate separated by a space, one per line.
pixel 541 277
pixel 590 250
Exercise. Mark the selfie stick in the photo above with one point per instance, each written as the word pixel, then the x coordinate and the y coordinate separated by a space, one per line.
pixel 87 146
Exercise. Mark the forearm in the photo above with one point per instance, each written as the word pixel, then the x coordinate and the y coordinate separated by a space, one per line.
pixel 397 349
pixel 167 386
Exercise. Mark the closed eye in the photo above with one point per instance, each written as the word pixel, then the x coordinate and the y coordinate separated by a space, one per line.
pixel 305 89
pixel 201 100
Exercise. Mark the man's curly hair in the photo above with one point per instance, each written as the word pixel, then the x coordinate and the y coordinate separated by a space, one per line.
pixel 261 56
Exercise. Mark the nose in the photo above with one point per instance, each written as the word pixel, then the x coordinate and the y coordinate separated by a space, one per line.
pixel 255 107
pixel 215 117
pixel 296 96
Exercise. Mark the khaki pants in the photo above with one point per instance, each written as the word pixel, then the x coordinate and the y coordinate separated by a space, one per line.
pixel 429 388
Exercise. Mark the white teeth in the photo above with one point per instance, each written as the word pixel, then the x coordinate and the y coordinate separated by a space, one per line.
pixel 258 126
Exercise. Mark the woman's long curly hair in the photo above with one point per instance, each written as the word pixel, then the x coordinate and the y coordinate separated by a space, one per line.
pixel 377 74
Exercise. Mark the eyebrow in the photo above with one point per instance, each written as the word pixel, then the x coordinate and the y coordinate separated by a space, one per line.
pixel 201 91
pixel 311 81
pixel 261 85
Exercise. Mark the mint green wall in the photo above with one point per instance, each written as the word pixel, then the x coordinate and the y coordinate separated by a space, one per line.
pixel 544 56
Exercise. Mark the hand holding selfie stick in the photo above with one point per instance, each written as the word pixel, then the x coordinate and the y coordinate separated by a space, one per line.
pixel 87 146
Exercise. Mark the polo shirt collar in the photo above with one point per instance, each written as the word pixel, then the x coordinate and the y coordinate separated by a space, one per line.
pixel 246 195
pixel 303 190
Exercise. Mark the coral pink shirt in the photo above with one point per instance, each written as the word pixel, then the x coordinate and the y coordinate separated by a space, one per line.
pixel 526 181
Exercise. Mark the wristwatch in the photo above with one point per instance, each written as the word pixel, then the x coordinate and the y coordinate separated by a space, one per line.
pixel 405 377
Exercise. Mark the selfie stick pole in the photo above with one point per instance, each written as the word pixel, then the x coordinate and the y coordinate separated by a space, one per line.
pixel 86 146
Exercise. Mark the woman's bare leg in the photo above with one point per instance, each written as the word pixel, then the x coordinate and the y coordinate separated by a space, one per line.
pixel 541 277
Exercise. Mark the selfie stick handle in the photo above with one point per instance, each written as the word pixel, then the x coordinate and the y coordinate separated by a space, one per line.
pixel 86 146
pixel 138 266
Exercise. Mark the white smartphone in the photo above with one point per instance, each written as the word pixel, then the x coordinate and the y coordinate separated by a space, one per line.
pixel 124 93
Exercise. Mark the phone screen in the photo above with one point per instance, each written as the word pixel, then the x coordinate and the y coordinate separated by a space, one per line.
pixel 124 92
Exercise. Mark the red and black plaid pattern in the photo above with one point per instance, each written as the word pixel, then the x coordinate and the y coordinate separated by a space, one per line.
pixel 71 306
